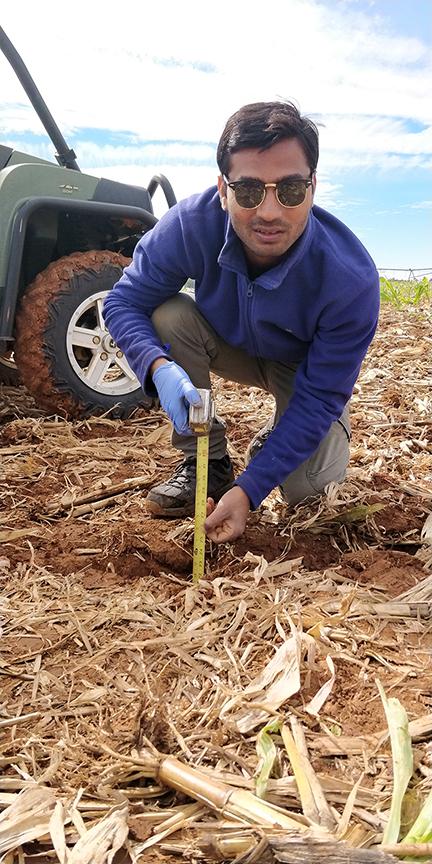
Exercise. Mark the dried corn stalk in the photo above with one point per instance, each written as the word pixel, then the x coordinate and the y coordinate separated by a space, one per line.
pixel 230 802
pixel 27 818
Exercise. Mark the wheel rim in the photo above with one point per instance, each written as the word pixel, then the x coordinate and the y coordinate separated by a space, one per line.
pixel 7 360
pixel 93 354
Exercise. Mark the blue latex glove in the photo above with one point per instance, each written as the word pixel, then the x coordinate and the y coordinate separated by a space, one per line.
pixel 176 392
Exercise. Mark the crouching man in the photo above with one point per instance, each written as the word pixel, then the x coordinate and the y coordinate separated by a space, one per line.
pixel 286 299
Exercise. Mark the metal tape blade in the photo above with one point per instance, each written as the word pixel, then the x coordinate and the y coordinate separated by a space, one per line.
pixel 200 507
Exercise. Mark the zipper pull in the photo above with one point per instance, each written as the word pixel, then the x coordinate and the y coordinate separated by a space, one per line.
pixel 250 289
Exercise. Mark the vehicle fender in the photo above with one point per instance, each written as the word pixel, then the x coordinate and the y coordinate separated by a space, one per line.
pixel 10 292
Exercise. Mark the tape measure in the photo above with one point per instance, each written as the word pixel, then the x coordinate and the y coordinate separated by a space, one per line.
pixel 200 421
pixel 200 507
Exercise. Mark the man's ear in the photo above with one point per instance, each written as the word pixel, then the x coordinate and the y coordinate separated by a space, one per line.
pixel 314 183
pixel 222 190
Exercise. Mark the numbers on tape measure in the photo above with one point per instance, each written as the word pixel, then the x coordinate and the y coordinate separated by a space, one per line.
pixel 200 507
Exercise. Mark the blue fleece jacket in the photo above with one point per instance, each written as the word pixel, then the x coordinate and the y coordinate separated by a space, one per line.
pixel 318 307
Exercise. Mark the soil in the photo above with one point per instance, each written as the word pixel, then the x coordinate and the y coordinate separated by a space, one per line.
pixel 390 571
pixel 101 600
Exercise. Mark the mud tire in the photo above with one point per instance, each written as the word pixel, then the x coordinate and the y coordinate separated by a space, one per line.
pixel 42 322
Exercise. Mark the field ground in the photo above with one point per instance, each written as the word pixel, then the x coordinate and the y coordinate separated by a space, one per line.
pixel 107 645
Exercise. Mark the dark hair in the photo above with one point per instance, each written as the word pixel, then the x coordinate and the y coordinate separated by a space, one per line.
pixel 262 124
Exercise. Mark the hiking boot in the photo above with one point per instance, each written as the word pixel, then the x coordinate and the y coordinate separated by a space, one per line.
pixel 258 442
pixel 176 497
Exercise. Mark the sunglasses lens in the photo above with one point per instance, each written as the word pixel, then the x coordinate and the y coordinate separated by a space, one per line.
pixel 291 192
pixel 249 194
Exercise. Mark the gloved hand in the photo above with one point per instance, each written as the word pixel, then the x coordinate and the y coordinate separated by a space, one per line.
pixel 176 392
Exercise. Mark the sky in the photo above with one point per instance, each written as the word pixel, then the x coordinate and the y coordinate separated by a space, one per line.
pixel 141 87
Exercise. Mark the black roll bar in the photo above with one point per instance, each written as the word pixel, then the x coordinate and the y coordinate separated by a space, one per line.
pixel 64 155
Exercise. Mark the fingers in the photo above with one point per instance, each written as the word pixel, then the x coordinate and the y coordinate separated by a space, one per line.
pixel 227 520
pixel 176 392
pixel 191 394
pixel 217 533
pixel 210 506
pixel 181 420
pixel 222 533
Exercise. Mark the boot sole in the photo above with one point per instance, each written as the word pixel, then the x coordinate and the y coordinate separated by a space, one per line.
pixel 168 512
pixel 158 510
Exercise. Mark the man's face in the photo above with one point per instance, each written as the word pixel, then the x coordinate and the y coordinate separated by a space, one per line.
pixel 268 231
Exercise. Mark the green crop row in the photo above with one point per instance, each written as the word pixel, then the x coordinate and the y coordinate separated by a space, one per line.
pixel 405 292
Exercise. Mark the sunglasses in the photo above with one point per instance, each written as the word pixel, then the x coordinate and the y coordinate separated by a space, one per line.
pixel 290 192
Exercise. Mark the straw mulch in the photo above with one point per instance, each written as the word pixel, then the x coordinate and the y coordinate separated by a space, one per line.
pixel 112 659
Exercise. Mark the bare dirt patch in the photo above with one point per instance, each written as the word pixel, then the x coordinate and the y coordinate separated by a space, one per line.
pixel 107 645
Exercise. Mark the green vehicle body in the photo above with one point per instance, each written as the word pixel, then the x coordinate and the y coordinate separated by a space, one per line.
pixel 54 214
pixel 38 203
pixel 22 175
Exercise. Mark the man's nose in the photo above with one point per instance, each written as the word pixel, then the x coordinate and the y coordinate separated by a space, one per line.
pixel 270 207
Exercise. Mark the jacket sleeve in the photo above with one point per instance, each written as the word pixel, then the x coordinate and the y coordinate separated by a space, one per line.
pixel 158 271
pixel 324 383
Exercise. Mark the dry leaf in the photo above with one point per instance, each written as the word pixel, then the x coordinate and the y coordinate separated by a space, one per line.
pixel 314 706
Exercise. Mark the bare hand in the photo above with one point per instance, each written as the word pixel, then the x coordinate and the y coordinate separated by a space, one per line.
pixel 227 519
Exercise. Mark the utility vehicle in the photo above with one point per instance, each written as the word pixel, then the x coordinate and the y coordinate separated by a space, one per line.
pixel 65 237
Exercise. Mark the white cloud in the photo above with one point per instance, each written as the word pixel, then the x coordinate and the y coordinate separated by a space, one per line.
pixel 346 142
pixel 350 132
pixel 401 210
pixel 162 72
pixel 145 74
pixel 421 205
pixel 389 212
pixel 144 153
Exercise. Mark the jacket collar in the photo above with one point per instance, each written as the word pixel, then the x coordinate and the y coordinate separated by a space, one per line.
pixel 232 255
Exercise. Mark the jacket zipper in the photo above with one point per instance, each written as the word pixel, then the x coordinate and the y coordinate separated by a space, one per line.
pixel 249 295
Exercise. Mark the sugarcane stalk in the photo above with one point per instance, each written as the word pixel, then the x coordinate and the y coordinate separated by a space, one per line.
pixel 97 495
pixel 223 846
pixel 411 850
pixel 304 849
pixel 239 804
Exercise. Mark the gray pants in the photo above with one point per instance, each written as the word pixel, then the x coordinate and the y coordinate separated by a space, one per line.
pixel 196 347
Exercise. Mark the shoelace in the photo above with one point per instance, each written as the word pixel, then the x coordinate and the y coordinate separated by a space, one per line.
pixel 263 438
pixel 176 480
